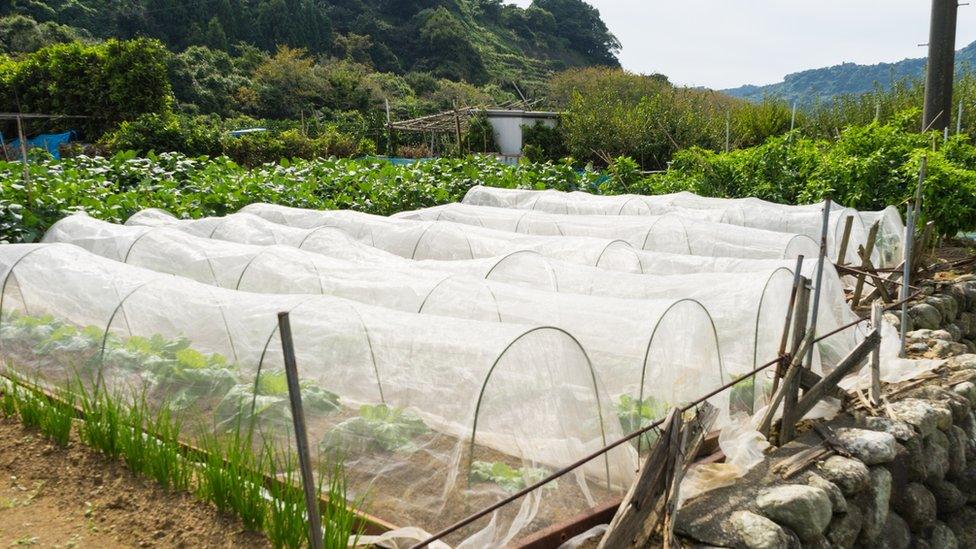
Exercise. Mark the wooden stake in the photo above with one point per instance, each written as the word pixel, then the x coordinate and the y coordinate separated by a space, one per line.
pixel 842 252
pixel 800 309
pixel 301 434
pixel 848 365
pixel 784 339
pixel 23 162
pixel 876 313
pixel 865 253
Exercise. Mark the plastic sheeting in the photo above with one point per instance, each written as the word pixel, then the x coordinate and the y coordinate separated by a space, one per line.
pixel 749 212
pixel 421 406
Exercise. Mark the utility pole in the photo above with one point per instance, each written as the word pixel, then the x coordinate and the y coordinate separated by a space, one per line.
pixel 941 65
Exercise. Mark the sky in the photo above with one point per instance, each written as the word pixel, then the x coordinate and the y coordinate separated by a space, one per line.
pixel 727 43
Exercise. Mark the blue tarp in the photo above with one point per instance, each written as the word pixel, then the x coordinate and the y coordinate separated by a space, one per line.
pixel 48 141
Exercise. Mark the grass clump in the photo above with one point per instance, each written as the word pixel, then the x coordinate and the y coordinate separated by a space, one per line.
pixel 51 416
pixel 230 478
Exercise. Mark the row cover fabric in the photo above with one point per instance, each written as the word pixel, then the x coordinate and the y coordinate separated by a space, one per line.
pixel 749 212
pixel 664 233
pixel 413 401
pixel 463 231
pixel 747 307
pixel 525 262
pixel 663 350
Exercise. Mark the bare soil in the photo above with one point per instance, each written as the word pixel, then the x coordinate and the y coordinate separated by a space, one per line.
pixel 75 497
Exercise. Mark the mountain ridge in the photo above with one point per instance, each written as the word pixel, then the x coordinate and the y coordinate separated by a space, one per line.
pixel 823 84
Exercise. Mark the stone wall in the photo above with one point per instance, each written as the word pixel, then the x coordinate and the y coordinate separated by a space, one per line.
pixel 908 479
pixel 943 323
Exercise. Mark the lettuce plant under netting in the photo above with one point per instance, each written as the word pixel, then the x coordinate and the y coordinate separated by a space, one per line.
pixel 748 306
pixel 627 340
pixel 750 212
pixel 669 233
pixel 420 406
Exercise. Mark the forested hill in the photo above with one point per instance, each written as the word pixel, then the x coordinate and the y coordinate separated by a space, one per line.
pixel 808 86
pixel 472 40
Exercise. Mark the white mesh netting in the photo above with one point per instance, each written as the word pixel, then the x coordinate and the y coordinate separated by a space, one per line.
pixel 513 333
pixel 413 402
pixel 748 212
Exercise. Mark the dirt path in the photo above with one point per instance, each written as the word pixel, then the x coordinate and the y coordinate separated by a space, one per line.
pixel 74 497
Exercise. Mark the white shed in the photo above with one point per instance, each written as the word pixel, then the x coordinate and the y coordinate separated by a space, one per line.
pixel 507 127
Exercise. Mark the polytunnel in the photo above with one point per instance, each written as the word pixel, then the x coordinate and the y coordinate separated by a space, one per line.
pixel 595 240
pixel 251 229
pixel 668 233
pixel 749 212
pixel 420 406
pixel 633 344
pixel 744 302
pixel 442 240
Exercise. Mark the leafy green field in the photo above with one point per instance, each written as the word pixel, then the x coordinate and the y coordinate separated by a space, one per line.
pixel 867 167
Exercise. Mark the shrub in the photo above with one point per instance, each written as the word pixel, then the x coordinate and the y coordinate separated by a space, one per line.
pixel 165 133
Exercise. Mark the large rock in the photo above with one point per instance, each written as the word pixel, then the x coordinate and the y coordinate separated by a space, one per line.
pixel 963 526
pixel 837 501
pixel 871 447
pixel 896 534
pixel 757 532
pixel 948 497
pixel 966 482
pixel 925 316
pixel 936 448
pixel 962 362
pixel 898 429
pixel 804 509
pixel 967 390
pixel 915 461
pixel 875 505
pixel 917 413
pixel 850 475
pixel 844 528
pixel 967 323
pixel 917 506
pixel 941 536
pixel 945 349
pixel 956 451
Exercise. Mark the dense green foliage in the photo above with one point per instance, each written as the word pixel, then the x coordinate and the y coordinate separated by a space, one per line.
pixel 867 167
pixel 210 136
pixel 611 113
pixel 811 86
pixel 471 40
pixel 107 82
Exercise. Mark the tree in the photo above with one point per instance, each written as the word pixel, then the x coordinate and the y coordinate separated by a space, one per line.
pixel 288 85
pixel 580 25
pixel 108 82
pixel 448 52
pixel 21 34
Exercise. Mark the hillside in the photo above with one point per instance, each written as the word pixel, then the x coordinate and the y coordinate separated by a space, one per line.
pixel 808 86
pixel 477 41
